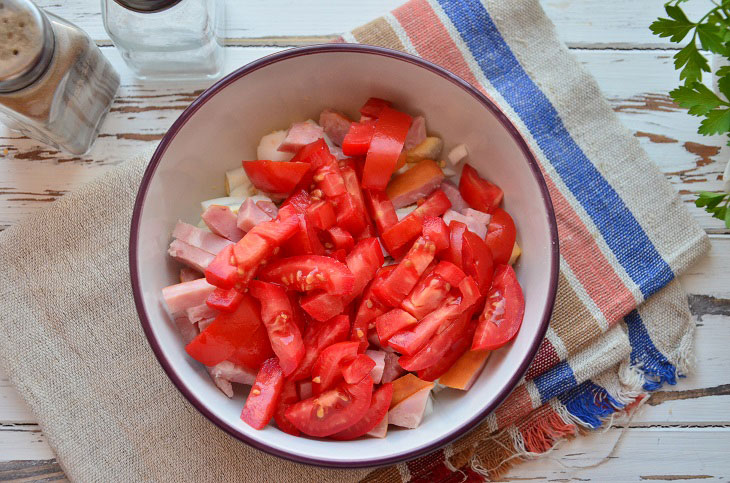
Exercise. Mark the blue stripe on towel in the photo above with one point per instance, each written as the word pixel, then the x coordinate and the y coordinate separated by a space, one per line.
pixel 656 367
pixel 555 381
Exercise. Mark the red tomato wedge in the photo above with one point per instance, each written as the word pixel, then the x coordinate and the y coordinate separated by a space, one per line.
pixel 332 411
pixel 501 236
pixel 321 215
pixel 355 370
pixel 432 289
pixel 277 315
pixel 435 230
pixel 224 300
pixel 477 260
pixel 400 283
pixel 357 140
pixel 288 397
pixel 374 106
pixel 503 313
pixel 318 336
pixel 339 239
pixel 437 347
pixel 235 337
pixel 457 349
pixel 312 153
pixel 370 308
pixel 279 177
pixel 326 371
pixel 411 226
pixel 310 272
pixel 322 305
pixel 478 192
pixel 381 209
pixel 222 270
pixel 379 405
pixel 386 145
pixel 263 398
pixel 299 200
pixel 393 321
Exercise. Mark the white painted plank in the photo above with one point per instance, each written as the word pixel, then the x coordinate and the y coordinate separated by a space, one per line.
pixel 24 443
pixel 580 23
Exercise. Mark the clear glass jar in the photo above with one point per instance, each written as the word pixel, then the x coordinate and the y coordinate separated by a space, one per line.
pixel 167 39
pixel 55 84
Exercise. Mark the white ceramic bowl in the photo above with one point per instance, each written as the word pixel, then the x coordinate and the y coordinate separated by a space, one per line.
pixel 223 126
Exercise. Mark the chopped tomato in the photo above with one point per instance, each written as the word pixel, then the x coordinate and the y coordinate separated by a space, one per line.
pixel 435 229
pixel 456 241
pixel 327 371
pixel 332 411
pixel 339 255
pixel 222 270
pixel 317 337
pixel 277 315
pixel 263 398
pixel 305 240
pixel 236 337
pixel 381 209
pixel 477 260
pixel 386 145
pixel 411 226
pixel 322 305
pixel 279 177
pixel 393 321
pixel 503 313
pixel 355 370
pixel 288 397
pixel 357 140
pixel 457 349
pixel 224 300
pixel 299 200
pixel 311 153
pixel 400 283
pixel 449 273
pixel 349 215
pixel 432 289
pixel 310 272
pixel 478 192
pixel 437 347
pixel 321 215
pixel 501 236
pixel 379 405
pixel 374 106
pixel 370 308
pixel 340 239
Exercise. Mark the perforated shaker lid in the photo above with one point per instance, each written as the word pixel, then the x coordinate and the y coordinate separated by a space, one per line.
pixel 147 6
pixel 26 44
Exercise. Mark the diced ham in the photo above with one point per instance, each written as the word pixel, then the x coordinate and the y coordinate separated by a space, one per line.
pixel 200 312
pixel 250 215
pixel 454 196
pixel 415 184
pixel 416 133
pixel 476 227
pixel 300 134
pixel 457 154
pixel 268 147
pixel 188 331
pixel 465 370
pixel 335 125
pixel 203 324
pixel 381 429
pixel 226 372
pixel 189 255
pixel 268 207
pixel 479 216
pixel 304 388
pixel 379 358
pixel 391 370
pixel 205 240
pixel 221 221
pixel 181 296
pixel 187 274
pixel 409 412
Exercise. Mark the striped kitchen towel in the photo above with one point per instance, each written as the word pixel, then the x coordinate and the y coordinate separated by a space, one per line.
pixel 621 325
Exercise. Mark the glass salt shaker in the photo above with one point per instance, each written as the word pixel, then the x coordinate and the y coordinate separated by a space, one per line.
pixel 167 39
pixel 55 84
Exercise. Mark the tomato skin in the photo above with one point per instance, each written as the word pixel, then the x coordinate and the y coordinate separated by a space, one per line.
pixel 264 396
pixel 432 289
pixel 224 300
pixel 477 260
pixel 393 321
pixel 304 241
pixel 233 336
pixel 437 347
pixel 479 193
pixel 322 215
pixel 317 336
pixel 386 145
pixel 340 239
pixel 503 313
pixel 501 236
pixel 379 405
pixel 406 230
pixel 381 209
pixel 288 397
pixel 299 200
pixel 221 272
pixel 456 241
pixel 436 230
pixel 357 140
pixel 332 411
pixel 326 371
pixel 400 283
pixel 449 272
pixel 310 272
pixel 457 349
pixel 279 177
pixel 374 106
pixel 370 308
pixel 355 370
pixel 277 315
pixel 322 305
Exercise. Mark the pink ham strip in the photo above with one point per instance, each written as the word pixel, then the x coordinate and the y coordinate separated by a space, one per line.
pixel 381 429
pixel 392 370
pixel 300 134
pixel 187 274
pixel 205 240
pixel 181 296
pixel 454 196
pixel 409 412
pixel 222 222
pixel 416 133
pixel 268 207
pixel 188 331
pixel 335 125
pixel 379 358
pixel 477 215
pixel 422 191
pixel 203 324
pixel 189 255
pixel 472 224
pixel 200 312
pixel 250 215
pixel 226 372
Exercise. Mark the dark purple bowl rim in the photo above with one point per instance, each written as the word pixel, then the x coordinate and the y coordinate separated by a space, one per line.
pixel 316 49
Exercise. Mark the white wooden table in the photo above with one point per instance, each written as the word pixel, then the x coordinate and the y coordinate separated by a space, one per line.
pixel 683 433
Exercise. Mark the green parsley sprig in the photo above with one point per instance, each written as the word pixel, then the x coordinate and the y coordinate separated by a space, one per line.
pixel 712 32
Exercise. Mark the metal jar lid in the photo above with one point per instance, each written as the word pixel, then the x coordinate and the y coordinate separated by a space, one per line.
pixel 26 44
pixel 147 6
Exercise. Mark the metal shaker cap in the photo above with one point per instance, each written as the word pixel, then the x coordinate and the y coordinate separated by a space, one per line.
pixel 147 6
pixel 26 44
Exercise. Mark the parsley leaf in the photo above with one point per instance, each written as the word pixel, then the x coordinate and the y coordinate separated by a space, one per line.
pixel 677 27
pixel 692 63
pixel 698 98
pixel 717 121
